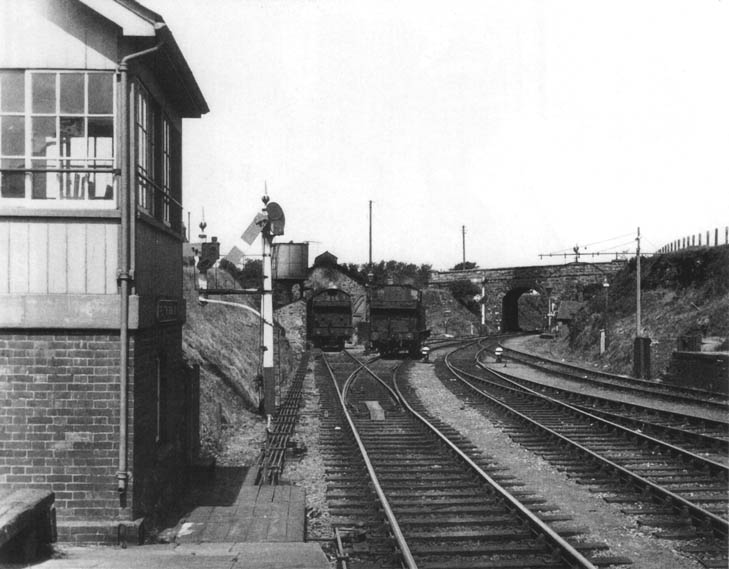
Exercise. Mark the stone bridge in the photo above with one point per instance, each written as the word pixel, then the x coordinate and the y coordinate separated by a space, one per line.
pixel 501 288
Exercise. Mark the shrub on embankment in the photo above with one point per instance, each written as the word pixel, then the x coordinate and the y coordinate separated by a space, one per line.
pixel 682 293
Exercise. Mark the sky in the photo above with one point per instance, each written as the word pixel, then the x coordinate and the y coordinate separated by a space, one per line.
pixel 538 126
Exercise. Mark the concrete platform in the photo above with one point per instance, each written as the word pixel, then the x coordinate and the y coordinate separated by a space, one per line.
pixel 252 527
pixel 193 556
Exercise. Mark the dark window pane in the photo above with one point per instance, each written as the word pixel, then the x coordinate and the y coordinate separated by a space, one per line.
pixel 44 92
pixel 12 132
pixel 12 91
pixel 72 93
pixel 12 185
pixel 44 136
pixel 101 137
pixel 101 97
pixel 72 137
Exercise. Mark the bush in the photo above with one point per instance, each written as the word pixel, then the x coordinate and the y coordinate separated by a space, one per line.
pixel 464 292
pixel 250 276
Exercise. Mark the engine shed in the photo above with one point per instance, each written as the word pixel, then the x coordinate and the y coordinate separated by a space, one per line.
pixel 95 401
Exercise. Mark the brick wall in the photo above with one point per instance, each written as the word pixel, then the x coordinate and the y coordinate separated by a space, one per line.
pixel 59 401
pixel 159 432
pixel 700 370
pixel 59 424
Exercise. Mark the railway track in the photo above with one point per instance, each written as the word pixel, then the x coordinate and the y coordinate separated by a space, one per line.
pixel 270 462
pixel 658 391
pixel 682 493
pixel 693 432
pixel 414 493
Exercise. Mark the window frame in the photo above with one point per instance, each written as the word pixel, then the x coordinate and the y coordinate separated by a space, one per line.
pixel 158 160
pixel 77 173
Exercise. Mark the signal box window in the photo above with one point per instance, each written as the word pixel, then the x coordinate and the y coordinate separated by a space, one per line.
pixel 158 161
pixel 57 138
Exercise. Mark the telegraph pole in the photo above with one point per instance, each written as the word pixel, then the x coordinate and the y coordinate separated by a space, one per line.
pixel 483 304
pixel 637 285
pixel 642 345
pixel 370 234
pixel 368 293
pixel 463 231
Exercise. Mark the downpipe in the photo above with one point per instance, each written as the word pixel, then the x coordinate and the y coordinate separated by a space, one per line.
pixel 124 275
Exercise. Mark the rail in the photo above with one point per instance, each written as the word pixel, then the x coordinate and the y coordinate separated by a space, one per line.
pixel 719 525
pixel 407 556
pixel 598 377
pixel 350 381
pixel 690 456
pixel 572 556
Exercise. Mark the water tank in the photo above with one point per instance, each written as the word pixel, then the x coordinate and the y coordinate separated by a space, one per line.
pixel 290 261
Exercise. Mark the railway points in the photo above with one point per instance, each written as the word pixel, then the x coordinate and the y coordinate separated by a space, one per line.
pixel 110 397
pixel 427 500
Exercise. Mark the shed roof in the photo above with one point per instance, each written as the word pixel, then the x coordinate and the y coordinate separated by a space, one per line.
pixel 326 259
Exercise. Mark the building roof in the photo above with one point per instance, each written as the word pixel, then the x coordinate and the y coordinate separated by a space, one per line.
pixel 136 21
pixel 326 259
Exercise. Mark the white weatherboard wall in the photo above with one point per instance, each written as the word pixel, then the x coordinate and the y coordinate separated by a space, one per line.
pixel 56 257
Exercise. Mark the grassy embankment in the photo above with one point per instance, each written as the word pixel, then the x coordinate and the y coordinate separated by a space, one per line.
pixel 224 341
pixel 682 293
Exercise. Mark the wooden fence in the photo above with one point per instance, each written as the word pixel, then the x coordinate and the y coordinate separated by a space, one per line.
pixel 697 240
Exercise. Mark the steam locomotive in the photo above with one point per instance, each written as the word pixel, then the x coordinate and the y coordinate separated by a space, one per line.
pixel 329 319
pixel 397 320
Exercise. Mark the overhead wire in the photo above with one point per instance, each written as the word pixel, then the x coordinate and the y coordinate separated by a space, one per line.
pixel 578 247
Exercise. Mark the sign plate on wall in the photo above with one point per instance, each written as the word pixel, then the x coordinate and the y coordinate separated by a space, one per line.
pixel 167 311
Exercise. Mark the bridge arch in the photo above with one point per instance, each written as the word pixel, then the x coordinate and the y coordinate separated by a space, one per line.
pixel 524 307
pixel 502 288
pixel 510 309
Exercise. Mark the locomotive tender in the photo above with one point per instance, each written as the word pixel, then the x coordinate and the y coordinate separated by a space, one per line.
pixel 329 319
pixel 397 320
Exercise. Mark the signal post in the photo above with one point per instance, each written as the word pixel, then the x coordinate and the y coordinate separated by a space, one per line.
pixel 268 223
pixel 269 393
